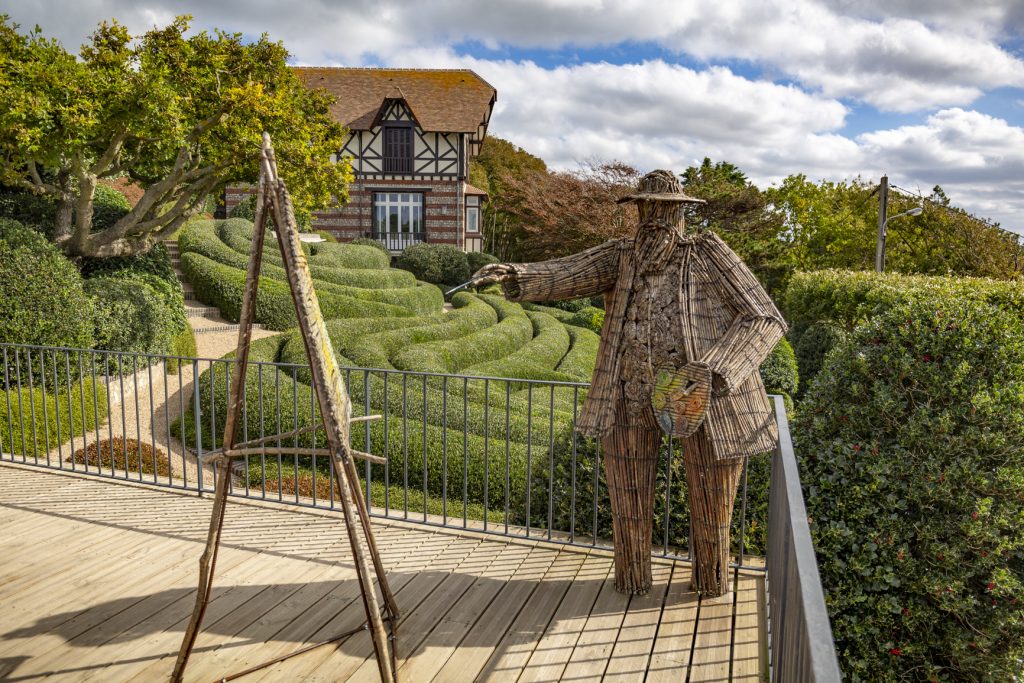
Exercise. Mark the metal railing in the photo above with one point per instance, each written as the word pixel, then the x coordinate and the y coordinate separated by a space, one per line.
pixel 801 648
pixel 397 241
pixel 488 454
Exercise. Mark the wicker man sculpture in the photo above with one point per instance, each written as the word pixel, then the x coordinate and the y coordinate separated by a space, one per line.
pixel 686 327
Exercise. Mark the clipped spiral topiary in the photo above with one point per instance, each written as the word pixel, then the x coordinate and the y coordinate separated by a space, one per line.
pixel 911 441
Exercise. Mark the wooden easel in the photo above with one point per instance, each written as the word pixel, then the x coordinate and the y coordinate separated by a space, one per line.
pixel 336 411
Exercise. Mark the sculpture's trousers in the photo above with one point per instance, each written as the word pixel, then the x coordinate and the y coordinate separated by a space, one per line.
pixel 631 467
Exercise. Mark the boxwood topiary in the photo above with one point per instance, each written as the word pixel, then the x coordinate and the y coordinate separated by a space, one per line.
pixel 43 300
pixel 911 441
pixel 440 264
pixel 370 242
pixel 589 317
pixel 132 315
pixel 479 259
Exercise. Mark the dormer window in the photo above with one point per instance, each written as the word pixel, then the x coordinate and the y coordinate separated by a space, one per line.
pixel 397 149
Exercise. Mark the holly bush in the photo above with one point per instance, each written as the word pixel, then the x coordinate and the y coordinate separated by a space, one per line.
pixel 911 442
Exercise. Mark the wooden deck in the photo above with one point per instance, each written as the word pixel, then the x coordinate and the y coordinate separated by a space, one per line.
pixel 97 581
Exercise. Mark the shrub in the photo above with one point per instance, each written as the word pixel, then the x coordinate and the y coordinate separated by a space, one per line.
pixel 43 301
pixel 127 455
pixel 154 261
pixel 589 317
pixel 845 298
pixel 479 259
pixel 245 209
pixel 370 242
pixel 108 207
pixel 132 314
pixel 183 345
pixel 41 412
pixel 440 264
pixel 328 236
pixel 815 343
pixel 28 208
pixel 912 446
pixel 779 371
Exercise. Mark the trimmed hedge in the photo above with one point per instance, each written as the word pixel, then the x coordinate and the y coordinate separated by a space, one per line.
pixel 222 286
pixel 369 242
pixel 43 301
pixel 536 359
pixel 452 355
pixel 478 259
pixel 440 264
pixel 779 372
pixel 845 298
pixel 133 314
pixel 155 261
pixel 589 317
pixel 912 448
pixel 40 412
pixel 579 362
pixel 376 350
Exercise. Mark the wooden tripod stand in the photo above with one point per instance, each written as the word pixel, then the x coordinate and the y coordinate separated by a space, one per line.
pixel 336 411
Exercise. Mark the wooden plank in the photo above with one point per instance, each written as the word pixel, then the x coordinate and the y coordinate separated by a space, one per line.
pixel 444 638
pixel 556 646
pixel 590 657
pixel 412 580
pixel 670 656
pixel 91 650
pixel 485 635
pixel 516 648
pixel 750 646
pixel 632 649
pixel 711 641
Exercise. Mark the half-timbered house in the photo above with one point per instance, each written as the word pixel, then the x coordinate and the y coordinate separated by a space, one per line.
pixel 411 135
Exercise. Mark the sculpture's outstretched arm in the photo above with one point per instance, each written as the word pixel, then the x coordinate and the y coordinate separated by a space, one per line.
pixel 587 273
pixel 756 329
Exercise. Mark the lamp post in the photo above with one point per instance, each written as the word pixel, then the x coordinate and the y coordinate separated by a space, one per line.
pixel 880 248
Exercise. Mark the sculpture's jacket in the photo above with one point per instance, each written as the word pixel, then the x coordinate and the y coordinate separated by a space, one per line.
pixel 728 321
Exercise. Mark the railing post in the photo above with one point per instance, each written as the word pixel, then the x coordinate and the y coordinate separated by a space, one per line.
pixel 198 424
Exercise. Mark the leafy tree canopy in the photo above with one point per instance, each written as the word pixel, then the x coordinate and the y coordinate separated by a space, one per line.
pixel 181 115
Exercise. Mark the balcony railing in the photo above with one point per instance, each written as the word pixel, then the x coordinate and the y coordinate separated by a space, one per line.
pixel 397 241
pixel 487 454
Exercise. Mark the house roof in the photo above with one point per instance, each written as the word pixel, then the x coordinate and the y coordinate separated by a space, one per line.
pixel 441 100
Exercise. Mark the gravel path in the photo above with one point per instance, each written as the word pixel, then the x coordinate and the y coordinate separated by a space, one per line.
pixel 143 405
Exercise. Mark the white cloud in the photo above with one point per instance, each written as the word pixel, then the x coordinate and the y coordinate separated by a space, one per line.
pixel 899 55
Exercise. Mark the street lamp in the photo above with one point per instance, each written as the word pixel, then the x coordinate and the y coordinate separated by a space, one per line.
pixel 882 233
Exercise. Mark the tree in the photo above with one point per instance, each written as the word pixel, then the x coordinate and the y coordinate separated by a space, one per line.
pixel 741 214
pixel 179 115
pixel 835 225
pixel 498 163
pixel 561 213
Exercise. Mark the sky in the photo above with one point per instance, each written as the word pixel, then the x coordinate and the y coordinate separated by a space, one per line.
pixel 925 91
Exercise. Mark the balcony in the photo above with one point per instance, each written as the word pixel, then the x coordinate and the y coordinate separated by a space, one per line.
pixel 397 241
pixel 100 561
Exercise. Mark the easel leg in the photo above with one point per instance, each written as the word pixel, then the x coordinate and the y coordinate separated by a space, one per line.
pixel 385 662
pixel 364 517
pixel 207 564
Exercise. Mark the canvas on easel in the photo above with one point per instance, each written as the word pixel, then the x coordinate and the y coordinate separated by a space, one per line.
pixel 332 397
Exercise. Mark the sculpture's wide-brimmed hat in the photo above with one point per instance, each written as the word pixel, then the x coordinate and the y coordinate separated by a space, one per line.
pixel 660 186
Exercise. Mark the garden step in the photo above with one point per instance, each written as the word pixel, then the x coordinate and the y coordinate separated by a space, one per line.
pixel 201 311
pixel 227 327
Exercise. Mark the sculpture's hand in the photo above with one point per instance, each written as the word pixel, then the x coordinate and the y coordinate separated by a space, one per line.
pixel 493 273
pixel 681 398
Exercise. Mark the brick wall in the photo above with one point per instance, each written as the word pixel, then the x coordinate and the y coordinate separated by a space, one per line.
pixel 443 208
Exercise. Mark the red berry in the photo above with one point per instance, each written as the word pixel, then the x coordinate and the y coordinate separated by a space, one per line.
pixel 974 515
pixel 896 651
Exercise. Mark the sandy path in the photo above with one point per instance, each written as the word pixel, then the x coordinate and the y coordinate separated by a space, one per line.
pixel 145 404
